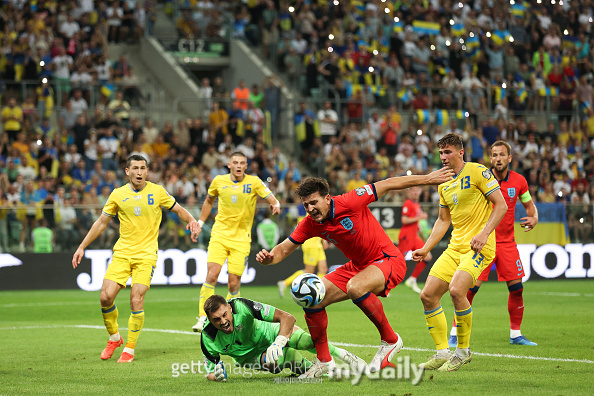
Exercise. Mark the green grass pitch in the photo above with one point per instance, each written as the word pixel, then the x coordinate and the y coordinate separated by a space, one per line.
pixel 51 341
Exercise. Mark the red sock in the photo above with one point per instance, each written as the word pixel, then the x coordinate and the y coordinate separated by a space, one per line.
pixel 470 296
pixel 317 323
pixel 373 308
pixel 418 269
pixel 515 306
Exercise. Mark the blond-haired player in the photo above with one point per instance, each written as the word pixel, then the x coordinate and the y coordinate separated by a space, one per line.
pixel 231 234
pixel 138 206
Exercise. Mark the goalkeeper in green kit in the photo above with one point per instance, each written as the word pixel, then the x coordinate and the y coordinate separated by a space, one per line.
pixel 258 336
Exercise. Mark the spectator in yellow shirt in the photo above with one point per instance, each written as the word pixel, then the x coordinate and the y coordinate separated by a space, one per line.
pixel 12 116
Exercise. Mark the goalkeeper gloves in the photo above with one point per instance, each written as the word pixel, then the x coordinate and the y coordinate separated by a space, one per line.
pixel 220 373
pixel 275 351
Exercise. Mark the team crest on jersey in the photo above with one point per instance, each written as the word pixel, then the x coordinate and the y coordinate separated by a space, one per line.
pixel 487 174
pixel 137 210
pixel 455 198
pixel 258 306
pixel 360 191
pixel 347 223
pixel 511 192
pixel 234 198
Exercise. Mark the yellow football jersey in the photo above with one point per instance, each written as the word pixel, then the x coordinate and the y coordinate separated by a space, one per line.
pixel 237 204
pixel 466 197
pixel 312 243
pixel 139 213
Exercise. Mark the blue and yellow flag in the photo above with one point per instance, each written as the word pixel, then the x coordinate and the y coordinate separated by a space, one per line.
pixel 423 116
pixel 398 27
pixel 458 30
pixel 568 41
pixel 422 27
pixel 522 94
pixel 500 37
pixel 461 114
pixel 549 91
pixel 403 95
pixel 107 90
pixel 442 117
pixel 472 42
pixel 519 9
pixel 499 94
pixel 552 225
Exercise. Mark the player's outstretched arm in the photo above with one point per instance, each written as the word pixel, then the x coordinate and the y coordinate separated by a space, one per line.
pixel 439 229
pixel 93 233
pixel 287 321
pixel 400 183
pixel 499 210
pixel 274 204
pixel 192 225
pixel 531 219
pixel 277 254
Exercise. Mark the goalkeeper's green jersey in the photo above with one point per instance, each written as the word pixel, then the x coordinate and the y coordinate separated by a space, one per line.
pixel 253 332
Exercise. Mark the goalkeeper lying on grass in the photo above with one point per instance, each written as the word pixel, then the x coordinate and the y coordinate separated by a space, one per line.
pixel 258 336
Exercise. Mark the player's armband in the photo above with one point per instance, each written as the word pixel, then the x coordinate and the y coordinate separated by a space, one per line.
pixel 525 197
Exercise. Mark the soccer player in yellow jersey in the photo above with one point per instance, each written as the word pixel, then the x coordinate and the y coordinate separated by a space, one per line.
pixel 231 233
pixel 138 206
pixel 313 255
pixel 473 203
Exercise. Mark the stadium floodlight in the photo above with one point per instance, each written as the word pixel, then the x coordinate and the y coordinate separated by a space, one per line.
pixel 432 47
pixel 387 10
pixel 41 63
pixel 408 172
pixel 330 49
pixel 396 19
pixel 471 34
pixel 292 9
pixel 488 34
pixel 419 132
pixel 375 52
pixel 331 36
pixel 448 43
pixel 452 22
pixel 566 32
pixel 511 39
pixel 371 69
pixel 504 85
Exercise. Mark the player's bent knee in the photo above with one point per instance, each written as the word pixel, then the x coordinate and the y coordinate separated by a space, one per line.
pixel 429 300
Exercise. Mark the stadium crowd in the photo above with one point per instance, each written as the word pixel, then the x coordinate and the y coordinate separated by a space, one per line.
pixel 378 66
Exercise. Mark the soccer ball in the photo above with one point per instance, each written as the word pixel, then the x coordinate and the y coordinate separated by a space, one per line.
pixel 308 290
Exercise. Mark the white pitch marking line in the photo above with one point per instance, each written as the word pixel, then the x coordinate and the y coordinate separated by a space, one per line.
pixel 93 302
pixel 509 356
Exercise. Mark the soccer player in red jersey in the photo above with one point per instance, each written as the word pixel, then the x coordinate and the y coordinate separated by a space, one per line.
pixel 376 266
pixel 507 258
pixel 409 239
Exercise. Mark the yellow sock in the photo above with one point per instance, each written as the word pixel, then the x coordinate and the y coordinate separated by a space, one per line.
pixel 206 291
pixel 291 278
pixel 134 326
pixel 230 295
pixel 438 327
pixel 463 327
pixel 110 318
pixel 320 275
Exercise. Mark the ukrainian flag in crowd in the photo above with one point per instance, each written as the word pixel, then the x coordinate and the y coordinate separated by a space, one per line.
pixel 403 95
pixel 359 9
pixel 549 91
pixel 461 114
pixel 423 116
pixel 519 9
pixel 499 94
pixel 472 42
pixel 568 41
pixel 422 27
pixel 442 117
pixel 552 225
pixel 398 27
pixel 500 37
pixel 107 90
pixel 458 29
pixel 352 89
pixel 522 94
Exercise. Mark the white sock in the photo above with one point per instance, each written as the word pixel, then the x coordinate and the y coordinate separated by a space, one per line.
pixel 129 350
pixel 514 333
pixel 443 352
pixel 454 331
pixel 462 352
pixel 115 337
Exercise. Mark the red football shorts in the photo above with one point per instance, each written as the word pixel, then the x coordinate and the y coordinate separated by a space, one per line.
pixel 507 263
pixel 409 242
pixel 393 268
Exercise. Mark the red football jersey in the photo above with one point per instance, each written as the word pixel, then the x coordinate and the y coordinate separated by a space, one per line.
pixel 512 188
pixel 410 209
pixel 351 227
